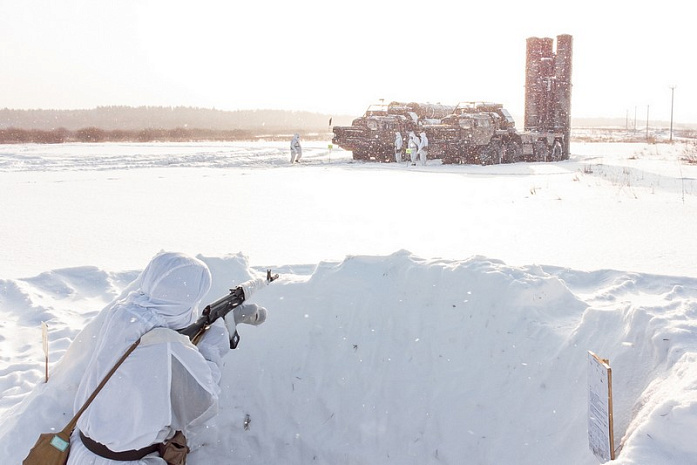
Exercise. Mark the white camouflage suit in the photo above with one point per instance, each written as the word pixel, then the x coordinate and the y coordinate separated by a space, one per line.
pixel 167 383
pixel 398 144
pixel 423 148
pixel 296 151
pixel 413 145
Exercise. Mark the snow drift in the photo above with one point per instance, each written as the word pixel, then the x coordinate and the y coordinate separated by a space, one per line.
pixel 399 359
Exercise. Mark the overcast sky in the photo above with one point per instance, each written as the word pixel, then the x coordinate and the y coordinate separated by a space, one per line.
pixel 339 56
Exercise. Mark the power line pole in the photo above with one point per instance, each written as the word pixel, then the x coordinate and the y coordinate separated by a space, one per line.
pixel 672 99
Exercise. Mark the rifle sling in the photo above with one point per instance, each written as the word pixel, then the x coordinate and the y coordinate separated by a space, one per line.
pixel 72 423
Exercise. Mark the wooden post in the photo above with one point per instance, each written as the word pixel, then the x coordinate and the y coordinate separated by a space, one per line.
pixel 44 340
pixel 330 144
pixel 601 438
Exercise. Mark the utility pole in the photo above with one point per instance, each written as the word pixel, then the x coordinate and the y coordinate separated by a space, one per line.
pixel 647 123
pixel 626 121
pixel 672 99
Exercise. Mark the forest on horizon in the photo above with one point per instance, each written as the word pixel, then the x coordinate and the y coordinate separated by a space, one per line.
pixel 145 124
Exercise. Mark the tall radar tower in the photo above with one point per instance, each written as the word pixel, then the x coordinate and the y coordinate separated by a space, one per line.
pixel 548 86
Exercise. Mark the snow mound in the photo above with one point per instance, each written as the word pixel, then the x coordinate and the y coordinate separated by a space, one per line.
pixel 399 359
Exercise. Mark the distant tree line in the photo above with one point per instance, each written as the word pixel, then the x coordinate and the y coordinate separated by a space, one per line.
pixel 93 134
pixel 138 118
pixel 150 124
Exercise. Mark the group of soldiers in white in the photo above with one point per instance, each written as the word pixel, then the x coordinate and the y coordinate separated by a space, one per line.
pixel 417 148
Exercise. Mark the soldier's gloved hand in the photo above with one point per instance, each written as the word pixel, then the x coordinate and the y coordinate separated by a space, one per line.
pixel 251 314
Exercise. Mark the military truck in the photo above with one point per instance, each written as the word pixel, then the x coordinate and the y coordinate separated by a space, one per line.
pixel 372 136
pixel 485 133
pixel 476 132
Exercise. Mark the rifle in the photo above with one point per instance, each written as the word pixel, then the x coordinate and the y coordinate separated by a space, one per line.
pixel 223 306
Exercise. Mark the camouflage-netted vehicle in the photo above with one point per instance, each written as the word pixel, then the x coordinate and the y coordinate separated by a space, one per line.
pixel 485 133
pixel 372 136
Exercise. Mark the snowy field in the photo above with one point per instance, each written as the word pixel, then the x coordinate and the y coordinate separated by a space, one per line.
pixel 424 315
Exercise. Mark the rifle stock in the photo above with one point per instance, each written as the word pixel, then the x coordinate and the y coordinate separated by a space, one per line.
pixel 221 307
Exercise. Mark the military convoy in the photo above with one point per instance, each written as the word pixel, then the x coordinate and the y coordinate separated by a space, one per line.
pixel 479 132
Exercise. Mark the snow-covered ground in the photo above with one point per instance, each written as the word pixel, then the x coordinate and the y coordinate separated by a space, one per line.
pixel 438 314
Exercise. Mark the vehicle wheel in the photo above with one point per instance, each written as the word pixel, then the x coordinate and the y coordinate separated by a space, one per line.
pixel 360 155
pixel 462 156
pixel 385 156
pixel 541 151
pixel 497 150
pixel 513 153
pixel 485 156
pixel 491 154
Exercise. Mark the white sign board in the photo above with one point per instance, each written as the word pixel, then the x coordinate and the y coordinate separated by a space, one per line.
pixel 600 434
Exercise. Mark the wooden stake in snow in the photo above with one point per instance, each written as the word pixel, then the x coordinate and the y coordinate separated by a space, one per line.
pixel 600 428
pixel 330 147
pixel 44 338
